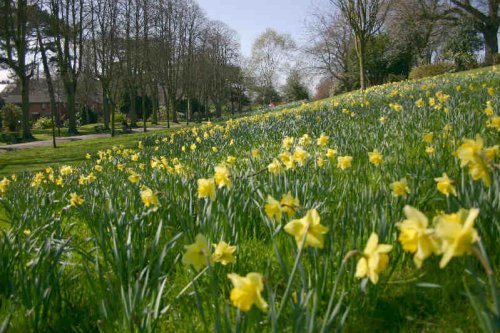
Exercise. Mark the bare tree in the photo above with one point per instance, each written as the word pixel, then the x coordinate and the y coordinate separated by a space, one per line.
pixel 365 17
pixel 330 39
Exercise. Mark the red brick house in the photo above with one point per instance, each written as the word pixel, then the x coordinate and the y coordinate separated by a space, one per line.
pixel 40 100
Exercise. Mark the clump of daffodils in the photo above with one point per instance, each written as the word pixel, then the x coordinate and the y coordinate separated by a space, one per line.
pixel 452 235
pixel 477 158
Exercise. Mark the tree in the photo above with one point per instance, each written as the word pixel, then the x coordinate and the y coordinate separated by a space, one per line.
pixel 269 53
pixel 294 89
pixel 462 43
pixel 15 37
pixel 487 17
pixel 365 17
pixel 330 39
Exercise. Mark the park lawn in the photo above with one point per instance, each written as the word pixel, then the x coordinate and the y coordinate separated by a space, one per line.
pixel 69 152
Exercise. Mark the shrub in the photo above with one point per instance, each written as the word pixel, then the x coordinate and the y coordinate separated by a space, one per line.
pixel 11 115
pixel 496 59
pixel 43 123
pixel 431 70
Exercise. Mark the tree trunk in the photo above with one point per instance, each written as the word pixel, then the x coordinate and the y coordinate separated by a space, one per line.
pixel 70 109
pixel 154 118
pixel 133 109
pixel 25 96
pixel 361 50
pixel 491 43
pixel 143 108
pixel 105 106
pixel 167 105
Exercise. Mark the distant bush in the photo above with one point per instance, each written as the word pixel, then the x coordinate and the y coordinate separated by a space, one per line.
pixel 430 70
pixel 11 117
pixel 43 123
pixel 496 59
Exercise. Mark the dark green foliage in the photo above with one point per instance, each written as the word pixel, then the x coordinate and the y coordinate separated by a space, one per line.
pixel 294 89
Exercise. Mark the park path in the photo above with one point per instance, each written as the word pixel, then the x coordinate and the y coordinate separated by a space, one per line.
pixel 45 143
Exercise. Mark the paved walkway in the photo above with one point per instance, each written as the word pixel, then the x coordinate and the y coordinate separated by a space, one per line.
pixel 59 140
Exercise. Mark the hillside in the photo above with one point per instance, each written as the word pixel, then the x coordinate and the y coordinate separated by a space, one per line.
pixel 371 212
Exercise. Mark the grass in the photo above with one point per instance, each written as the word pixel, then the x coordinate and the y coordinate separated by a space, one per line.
pixel 104 245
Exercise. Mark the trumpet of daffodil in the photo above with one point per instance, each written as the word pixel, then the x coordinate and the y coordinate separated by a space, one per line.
pixel 323 140
pixel 223 253
pixel 300 156
pixel 273 209
pixel 75 200
pixel 197 254
pixel 457 234
pixel 375 157
pixel 206 188
pixel 309 227
pixel 415 237
pixel 222 177
pixel 331 153
pixel 148 197
pixel 247 291
pixel 289 204
pixel 274 167
pixel 400 188
pixel 445 185
pixel 344 162
pixel 374 260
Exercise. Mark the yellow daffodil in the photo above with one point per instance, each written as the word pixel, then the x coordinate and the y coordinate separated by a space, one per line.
pixel 309 227
pixel 428 137
pixel 197 254
pixel 375 157
pixel 222 177
pixel 247 291
pixel 274 167
pixel 273 209
pixel 457 234
pixel 223 253
pixel 289 204
pixel 134 178
pixel 420 103
pixel 331 153
pixel 300 156
pixel 287 142
pixel 415 237
pixel 344 162
pixel 206 188
pixel 75 200
pixel 3 185
pixel 445 185
pixel 400 188
pixel 430 150
pixel 323 140
pixel 491 153
pixel 375 259
pixel 231 160
pixel 148 197
pixel 305 140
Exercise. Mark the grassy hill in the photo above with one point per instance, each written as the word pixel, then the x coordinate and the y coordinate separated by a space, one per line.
pixel 130 238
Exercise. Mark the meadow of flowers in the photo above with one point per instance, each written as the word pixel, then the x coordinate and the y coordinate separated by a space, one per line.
pixel 375 211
